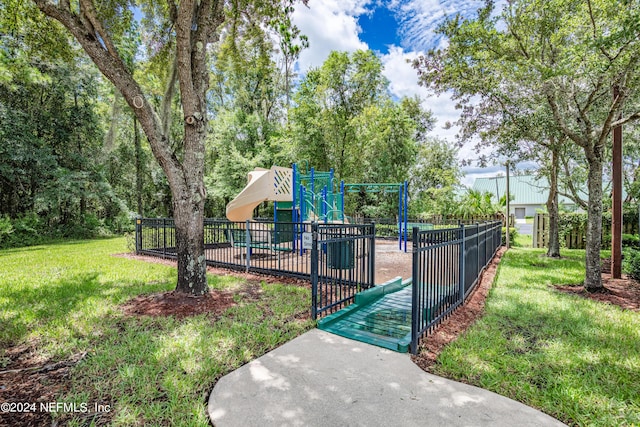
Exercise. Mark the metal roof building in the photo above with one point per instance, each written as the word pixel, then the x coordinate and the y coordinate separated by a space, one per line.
pixel 528 193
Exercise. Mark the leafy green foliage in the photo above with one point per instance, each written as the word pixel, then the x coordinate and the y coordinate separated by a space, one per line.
pixel 513 235
pixel 51 134
pixel 434 177
pixel 475 204
pixel 631 262
pixel 344 119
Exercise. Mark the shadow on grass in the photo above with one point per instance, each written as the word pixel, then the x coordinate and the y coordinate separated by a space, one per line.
pixel 160 371
pixel 66 302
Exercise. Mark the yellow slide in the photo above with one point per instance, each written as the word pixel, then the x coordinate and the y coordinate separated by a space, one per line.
pixel 273 184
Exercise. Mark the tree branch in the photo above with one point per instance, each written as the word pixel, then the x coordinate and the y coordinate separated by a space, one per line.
pixel 595 34
pixel 562 124
pixel 89 12
pixel 630 118
pixel 569 183
pixel 165 109
pixel 114 69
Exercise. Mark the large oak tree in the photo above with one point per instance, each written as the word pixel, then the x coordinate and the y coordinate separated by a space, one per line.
pixel 183 32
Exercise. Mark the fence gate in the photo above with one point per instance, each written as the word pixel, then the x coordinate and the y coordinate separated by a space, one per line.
pixel 342 264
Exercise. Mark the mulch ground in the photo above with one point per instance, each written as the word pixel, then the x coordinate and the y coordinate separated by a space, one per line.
pixel 26 378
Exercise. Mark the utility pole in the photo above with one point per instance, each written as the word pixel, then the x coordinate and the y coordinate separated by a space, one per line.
pixel 616 206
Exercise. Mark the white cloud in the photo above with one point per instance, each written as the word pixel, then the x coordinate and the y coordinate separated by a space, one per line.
pixel 420 18
pixel 403 81
pixel 402 76
pixel 329 25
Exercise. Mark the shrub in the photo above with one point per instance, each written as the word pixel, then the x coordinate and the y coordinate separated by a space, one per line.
pixel 6 229
pixel 630 241
pixel 513 232
pixel 631 263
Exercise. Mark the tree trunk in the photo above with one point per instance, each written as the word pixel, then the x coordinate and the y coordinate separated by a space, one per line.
pixel 192 266
pixel 138 154
pixel 188 213
pixel 593 279
pixel 552 205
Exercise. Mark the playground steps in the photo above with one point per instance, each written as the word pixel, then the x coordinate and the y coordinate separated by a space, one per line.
pixel 380 316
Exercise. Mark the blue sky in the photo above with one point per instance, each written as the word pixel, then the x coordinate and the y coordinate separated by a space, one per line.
pixel 398 30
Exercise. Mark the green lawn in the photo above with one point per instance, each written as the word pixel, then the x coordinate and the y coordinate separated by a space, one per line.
pixel 63 299
pixel 575 359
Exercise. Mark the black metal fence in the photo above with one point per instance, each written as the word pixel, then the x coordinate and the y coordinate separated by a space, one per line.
pixel 262 247
pixel 342 263
pixel 338 259
pixel 446 267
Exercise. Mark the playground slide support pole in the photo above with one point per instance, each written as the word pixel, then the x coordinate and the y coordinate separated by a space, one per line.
pixel 324 210
pixel 400 221
pixel 331 192
pixel 313 187
pixel 302 202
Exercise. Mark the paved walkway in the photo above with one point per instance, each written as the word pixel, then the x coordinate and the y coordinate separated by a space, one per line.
pixel 525 228
pixel 320 379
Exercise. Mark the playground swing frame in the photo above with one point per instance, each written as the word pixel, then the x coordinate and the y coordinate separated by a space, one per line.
pixel 402 189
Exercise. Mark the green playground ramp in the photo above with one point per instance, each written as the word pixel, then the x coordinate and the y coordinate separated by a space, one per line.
pixel 380 316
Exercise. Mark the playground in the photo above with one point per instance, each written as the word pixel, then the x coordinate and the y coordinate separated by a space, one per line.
pixel 362 287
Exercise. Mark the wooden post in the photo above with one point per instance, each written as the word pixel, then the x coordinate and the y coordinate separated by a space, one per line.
pixel 508 213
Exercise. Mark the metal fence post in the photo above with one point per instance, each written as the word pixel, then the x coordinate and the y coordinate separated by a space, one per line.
pixel 478 248
pixel 138 235
pixel 462 266
pixel 487 246
pixel 314 270
pixel 164 238
pixel 372 256
pixel 247 239
pixel 415 295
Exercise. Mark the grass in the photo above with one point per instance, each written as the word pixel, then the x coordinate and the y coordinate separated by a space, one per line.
pixel 575 359
pixel 63 300
pixel 522 241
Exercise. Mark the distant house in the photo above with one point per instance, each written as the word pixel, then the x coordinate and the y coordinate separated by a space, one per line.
pixel 528 193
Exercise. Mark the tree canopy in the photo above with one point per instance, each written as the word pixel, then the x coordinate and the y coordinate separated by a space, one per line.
pixel 546 66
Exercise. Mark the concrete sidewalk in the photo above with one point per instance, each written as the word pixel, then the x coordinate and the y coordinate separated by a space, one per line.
pixel 320 379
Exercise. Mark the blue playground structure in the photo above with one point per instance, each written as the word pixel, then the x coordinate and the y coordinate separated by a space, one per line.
pixel 317 198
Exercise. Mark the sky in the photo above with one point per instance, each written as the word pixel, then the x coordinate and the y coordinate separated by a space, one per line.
pixel 397 30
